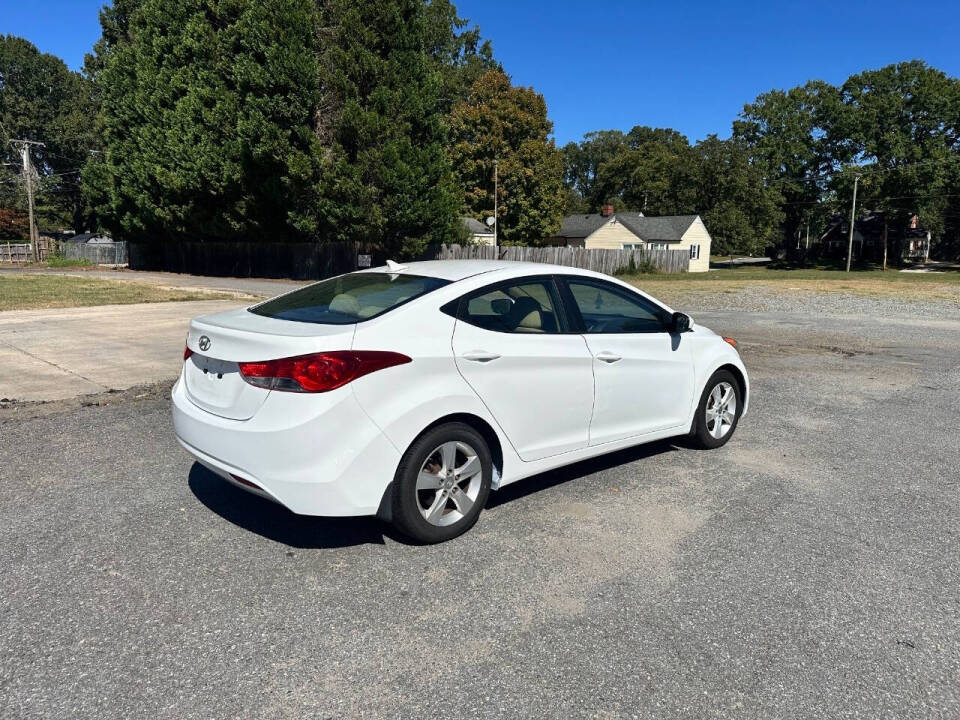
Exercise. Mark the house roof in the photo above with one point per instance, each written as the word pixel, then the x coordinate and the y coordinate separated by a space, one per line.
pixel 475 227
pixel 82 237
pixel 669 228
pixel 579 226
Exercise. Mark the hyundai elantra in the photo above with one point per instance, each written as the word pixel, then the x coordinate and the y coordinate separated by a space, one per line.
pixel 413 391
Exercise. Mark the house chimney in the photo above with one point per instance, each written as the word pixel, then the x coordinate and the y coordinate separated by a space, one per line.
pixel 606 210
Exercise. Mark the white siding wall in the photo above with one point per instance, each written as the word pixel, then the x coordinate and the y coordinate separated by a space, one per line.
pixel 697 234
pixel 484 239
pixel 611 236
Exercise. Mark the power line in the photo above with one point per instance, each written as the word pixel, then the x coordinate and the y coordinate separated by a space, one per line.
pixel 865 171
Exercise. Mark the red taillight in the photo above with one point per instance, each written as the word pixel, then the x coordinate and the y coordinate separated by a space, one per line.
pixel 187 352
pixel 320 372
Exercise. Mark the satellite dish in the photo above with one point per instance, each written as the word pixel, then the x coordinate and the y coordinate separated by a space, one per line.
pixel 490 221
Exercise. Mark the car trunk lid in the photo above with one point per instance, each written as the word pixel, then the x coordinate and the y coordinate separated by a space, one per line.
pixel 220 342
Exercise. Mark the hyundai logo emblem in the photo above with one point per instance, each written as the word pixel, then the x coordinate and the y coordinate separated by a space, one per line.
pixel 204 343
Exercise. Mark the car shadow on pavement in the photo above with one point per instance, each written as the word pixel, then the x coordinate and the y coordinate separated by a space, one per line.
pixel 275 522
pixel 552 478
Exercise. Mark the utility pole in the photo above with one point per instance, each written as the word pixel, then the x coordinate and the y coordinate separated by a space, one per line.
pixel 496 220
pixel 884 241
pixel 853 214
pixel 24 147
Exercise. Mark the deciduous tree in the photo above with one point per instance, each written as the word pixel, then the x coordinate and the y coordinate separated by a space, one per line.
pixel 43 100
pixel 498 121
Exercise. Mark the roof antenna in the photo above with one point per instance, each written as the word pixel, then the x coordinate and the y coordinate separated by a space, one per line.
pixel 395 267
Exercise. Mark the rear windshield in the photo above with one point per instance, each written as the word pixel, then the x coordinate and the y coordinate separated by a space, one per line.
pixel 349 298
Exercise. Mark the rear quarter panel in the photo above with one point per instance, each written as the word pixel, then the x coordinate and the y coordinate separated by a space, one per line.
pixel 405 399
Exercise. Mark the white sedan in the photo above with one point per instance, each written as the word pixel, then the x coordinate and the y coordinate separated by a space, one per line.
pixel 412 391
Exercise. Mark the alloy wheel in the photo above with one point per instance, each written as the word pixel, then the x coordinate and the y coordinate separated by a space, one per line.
pixel 448 483
pixel 721 410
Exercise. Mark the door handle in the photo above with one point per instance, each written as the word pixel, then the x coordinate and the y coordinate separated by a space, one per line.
pixel 608 357
pixel 480 356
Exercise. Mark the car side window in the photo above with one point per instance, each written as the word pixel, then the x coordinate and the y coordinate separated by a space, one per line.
pixel 524 307
pixel 608 309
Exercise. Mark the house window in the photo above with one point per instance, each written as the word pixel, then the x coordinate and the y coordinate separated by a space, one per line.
pixel 631 246
pixel 659 246
pixel 694 252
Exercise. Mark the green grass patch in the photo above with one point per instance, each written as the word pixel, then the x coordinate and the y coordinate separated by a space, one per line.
pixel 59 261
pixel 30 292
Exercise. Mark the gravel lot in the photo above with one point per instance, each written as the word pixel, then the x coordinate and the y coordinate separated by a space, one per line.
pixel 807 569
pixel 760 299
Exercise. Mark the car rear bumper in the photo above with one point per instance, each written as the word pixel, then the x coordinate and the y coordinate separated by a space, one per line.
pixel 314 457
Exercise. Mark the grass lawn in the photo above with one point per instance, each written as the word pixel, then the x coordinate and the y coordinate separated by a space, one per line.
pixel 29 292
pixel 873 283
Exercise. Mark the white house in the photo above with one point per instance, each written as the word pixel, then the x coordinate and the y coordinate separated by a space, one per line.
pixel 479 233
pixel 627 230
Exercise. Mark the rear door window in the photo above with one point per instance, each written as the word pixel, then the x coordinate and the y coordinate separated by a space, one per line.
pixel 349 298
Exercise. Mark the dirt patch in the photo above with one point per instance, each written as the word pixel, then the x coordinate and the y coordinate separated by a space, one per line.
pixel 14 410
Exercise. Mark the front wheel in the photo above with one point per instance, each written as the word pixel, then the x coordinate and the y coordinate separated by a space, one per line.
pixel 442 483
pixel 718 412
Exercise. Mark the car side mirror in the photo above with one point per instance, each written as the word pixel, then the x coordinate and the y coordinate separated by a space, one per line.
pixel 680 323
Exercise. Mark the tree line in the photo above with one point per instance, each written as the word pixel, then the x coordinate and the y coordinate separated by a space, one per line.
pixel 377 122
pixel 790 162
pixel 381 122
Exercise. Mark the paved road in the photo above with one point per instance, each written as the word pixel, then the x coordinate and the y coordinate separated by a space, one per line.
pixel 62 353
pixel 807 569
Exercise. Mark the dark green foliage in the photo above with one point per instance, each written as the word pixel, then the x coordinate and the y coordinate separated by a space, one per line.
pixel 207 119
pixel 656 170
pixel 644 267
pixel 42 100
pixel 903 122
pixel 386 178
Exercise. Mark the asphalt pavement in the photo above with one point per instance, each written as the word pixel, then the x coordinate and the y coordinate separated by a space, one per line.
pixel 807 569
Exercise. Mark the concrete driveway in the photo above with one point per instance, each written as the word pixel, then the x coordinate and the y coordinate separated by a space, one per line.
pixel 62 353
pixel 808 569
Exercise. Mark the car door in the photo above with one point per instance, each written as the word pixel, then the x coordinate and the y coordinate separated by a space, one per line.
pixel 643 374
pixel 536 380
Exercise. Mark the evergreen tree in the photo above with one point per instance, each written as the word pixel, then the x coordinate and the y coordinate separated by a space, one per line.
pixel 386 176
pixel 207 119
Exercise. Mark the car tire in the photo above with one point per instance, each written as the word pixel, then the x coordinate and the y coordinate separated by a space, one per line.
pixel 430 504
pixel 706 434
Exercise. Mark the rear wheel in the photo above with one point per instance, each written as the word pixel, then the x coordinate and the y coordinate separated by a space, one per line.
pixel 442 483
pixel 718 411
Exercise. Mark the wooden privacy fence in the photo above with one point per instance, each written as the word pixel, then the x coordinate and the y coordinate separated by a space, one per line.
pixel 293 260
pixel 604 261
pixel 313 260
pixel 16 252
pixel 113 253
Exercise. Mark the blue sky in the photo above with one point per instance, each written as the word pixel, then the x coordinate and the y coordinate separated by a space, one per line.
pixel 686 65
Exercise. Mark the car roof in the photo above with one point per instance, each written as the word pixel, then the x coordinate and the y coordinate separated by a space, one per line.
pixel 455 270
